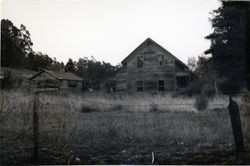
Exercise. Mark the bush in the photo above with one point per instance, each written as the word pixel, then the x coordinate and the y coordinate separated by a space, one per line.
pixel 154 108
pixel 87 109
pixel 208 90
pixel 117 107
pixel 203 85
pixel 201 102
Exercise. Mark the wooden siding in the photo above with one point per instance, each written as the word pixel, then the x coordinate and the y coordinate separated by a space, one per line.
pixel 150 73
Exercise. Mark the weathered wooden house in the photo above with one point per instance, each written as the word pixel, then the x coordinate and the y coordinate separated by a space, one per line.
pixel 150 68
pixel 57 80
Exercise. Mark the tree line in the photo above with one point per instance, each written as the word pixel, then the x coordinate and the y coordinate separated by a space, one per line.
pixel 226 62
pixel 17 52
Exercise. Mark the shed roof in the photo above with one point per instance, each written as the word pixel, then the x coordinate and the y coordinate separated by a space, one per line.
pixel 59 75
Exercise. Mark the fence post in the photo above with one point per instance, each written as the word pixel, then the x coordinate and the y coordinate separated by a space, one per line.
pixel 247 120
pixel 35 127
pixel 236 125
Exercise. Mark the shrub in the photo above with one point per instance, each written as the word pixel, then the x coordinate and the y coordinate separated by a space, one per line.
pixel 201 102
pixel 208 90
pixel 195 87
pixel 117 107
pixel 153 108
pixel 203 85
pixel 87 109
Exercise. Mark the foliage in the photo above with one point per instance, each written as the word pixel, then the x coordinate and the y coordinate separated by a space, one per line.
pixel 154 108
pixel 205 68
pixel 208 90
pixel 93 71
pixel 16 50
pixel 118 107
pixel 70 66
pixel 192 64
pixel 87 109
pixel 15 44
pixel 37 61
pixel 229 42
pixel 201 102
pixel 197 87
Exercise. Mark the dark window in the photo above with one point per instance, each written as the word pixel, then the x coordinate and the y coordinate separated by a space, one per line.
pixel 140 61
pixel 139 86
pixel 113 88
pixel 72 84
pixel 161 60
pixel 161 85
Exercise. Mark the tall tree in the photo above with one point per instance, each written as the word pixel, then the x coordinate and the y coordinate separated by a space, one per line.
pixel 70 66
pixel 37 61
pixel 229 44
pixel 15 44
pixel 93 71
pixel 56 66
pixel 205 67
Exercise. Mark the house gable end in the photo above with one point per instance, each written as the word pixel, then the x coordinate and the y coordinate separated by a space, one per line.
pixel 150 46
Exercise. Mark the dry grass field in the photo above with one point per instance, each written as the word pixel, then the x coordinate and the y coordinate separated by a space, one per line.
pixel 111 129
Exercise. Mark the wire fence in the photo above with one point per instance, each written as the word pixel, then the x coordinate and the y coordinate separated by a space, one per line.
pixel 31 126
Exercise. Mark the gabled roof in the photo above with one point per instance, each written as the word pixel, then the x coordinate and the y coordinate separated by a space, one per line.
pixel 59 75
pixel 147 42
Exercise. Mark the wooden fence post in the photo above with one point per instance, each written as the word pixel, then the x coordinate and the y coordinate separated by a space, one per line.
pixel 35 127
pixel 247 120
pixel 236 125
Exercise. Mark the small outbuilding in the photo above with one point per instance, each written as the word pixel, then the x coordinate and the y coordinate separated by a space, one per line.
pixel 59 80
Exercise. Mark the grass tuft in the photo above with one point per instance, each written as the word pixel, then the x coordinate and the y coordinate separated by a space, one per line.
pixel 87 109
pixel 201 102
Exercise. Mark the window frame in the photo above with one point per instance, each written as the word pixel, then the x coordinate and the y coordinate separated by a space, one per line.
pixel 114 86
pixel 161 59
pixel 137 61
pixel 140 87
pixel 162 87
pixel 72 83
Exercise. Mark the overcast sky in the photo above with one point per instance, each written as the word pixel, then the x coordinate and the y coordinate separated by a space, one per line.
pixel 109 30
